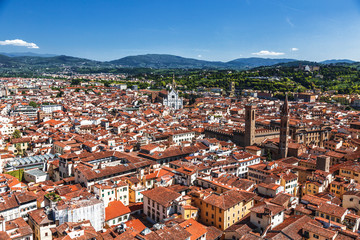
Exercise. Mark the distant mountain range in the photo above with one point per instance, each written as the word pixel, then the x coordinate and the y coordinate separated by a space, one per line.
pixel 334 61
pixel 27 54
pixel 165 61
pixel 30 60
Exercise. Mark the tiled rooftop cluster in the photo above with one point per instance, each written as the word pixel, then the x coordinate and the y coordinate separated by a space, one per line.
pixel 96 162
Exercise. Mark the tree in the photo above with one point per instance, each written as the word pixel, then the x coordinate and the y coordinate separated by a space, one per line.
pixel 16 134
pixel 268 156
pixel 60 94
pixel 33 104
pixel 75 82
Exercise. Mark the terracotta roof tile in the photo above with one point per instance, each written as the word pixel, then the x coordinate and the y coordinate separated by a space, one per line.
pixel 115 209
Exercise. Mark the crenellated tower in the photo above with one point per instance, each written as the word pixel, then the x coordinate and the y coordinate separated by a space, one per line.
pixel 284 129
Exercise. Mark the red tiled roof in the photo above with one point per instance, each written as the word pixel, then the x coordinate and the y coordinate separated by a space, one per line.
pixel 115 209
pixel 135 224
pixel 194 228
pixel 161 195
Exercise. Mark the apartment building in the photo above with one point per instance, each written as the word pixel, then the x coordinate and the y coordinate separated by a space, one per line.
pixel 223 210
pixel 160 203
pixel 112 190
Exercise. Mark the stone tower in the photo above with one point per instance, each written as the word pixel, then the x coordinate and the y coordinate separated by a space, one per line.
pixel 323 163
pixel 284 129
pixel 249 124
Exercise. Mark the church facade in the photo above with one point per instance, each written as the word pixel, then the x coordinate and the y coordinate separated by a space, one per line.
pixel 173 100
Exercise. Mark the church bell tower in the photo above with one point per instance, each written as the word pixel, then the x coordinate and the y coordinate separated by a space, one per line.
pixel 250 124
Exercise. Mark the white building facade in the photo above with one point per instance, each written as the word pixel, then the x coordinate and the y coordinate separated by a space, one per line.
pixel 79 210
pixel 173 100
pixel 51 108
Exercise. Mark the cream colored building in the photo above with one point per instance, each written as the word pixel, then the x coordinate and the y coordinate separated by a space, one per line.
pixel 41 224
pixel 351 200
pixel 223 210
pixel 112 190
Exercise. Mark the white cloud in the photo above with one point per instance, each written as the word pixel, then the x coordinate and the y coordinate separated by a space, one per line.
pixel 294 49
pixel 19 43
pixel 268 53
pixel 290 22
pixel 199 56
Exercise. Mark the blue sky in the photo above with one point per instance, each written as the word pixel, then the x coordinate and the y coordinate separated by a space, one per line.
pixel 204 29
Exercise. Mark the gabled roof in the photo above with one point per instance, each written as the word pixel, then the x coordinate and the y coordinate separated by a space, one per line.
pixel 115 209
pixel 271 209
pixel 228 199
pixel 40 217
pixel 291 227
pixel 162 196
pixel 194 228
